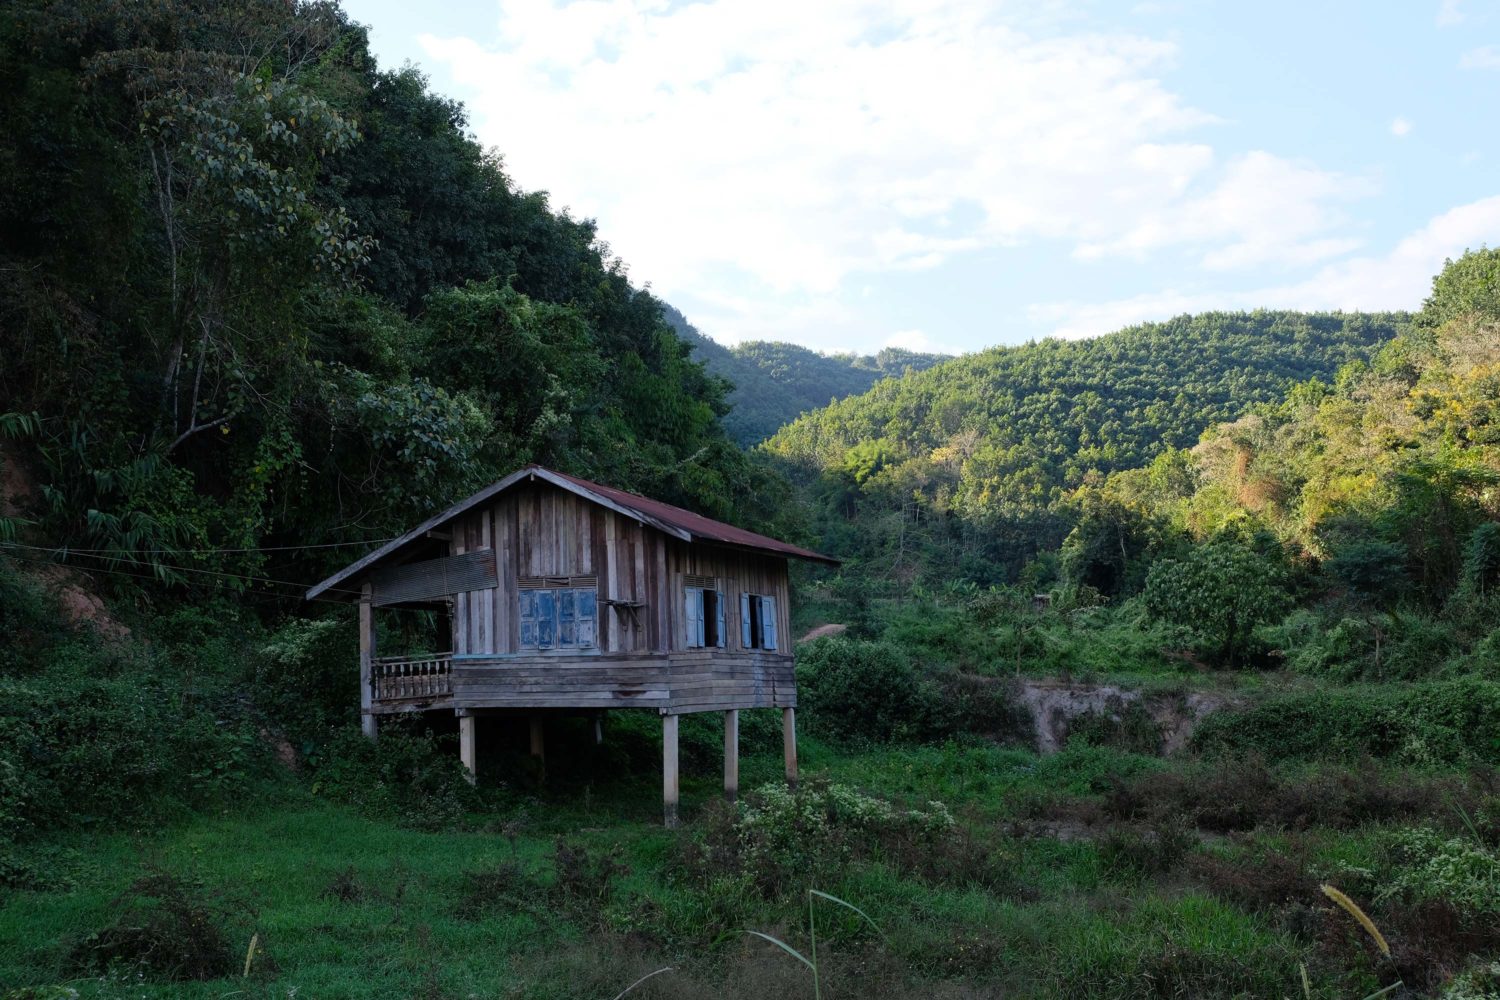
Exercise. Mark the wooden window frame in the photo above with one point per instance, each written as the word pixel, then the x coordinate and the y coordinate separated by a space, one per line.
pixel 758 623
pixel 705 617
pixel 568 597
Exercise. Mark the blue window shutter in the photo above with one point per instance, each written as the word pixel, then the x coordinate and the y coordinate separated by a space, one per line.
pixel 527 599
pixel 745 641
pixel 567 619
pixel 719 617
pixel 768 621
pixel 693 605
pixel 587 604
pixel 546 619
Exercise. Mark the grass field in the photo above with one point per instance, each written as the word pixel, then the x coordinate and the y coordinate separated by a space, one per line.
pixel 1093 872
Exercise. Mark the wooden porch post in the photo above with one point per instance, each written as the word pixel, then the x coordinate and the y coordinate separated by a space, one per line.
pixel 669 770
pixel 366 662
pixel 538 747
pixel 732 754
pixel 468 745
pixel 789 743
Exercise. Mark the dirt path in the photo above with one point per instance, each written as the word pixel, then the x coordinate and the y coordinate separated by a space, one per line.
pixel 823 630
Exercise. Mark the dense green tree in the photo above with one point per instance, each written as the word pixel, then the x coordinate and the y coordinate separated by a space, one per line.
pixel 258 291
pixel 1222 591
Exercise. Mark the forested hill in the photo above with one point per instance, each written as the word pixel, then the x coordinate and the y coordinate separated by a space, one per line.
pixel 977 454
pixel 257 290
pixel 776 382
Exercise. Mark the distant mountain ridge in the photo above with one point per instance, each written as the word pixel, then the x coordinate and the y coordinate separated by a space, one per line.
pixel 983 451
pixel 776 382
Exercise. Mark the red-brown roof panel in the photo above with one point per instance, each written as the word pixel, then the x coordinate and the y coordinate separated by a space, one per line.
pixel 701 528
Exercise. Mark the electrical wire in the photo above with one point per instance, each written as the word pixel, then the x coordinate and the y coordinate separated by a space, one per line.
pixel 265 548
pixel 301 587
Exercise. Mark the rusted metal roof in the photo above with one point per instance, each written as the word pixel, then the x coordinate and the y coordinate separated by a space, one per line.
pixel 702 529
pixel 674 521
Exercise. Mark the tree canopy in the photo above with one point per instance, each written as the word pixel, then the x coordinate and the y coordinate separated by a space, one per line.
pixel 259 290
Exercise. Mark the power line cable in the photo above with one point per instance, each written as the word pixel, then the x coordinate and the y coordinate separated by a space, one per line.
pixel 301 587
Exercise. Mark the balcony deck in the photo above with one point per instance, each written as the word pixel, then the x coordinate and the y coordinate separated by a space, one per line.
pixel 699 680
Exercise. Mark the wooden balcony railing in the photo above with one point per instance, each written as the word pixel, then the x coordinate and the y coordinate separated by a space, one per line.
pixel 394 678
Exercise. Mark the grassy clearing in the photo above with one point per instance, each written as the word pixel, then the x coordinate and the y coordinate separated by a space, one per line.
pixel 1036 889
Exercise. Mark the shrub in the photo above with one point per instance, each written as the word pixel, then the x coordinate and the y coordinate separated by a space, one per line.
pixel 857 690
pixel 168 928
pixel 779 837
pixel 1434 866
pixel 585 880
pixel 1222 590
pixel 29 621
pixel 1131 729
pixel 982 706
pixel 1228 794
pixel 1447 723
pixel 100 734
pixel 504 887
pixel 402 776
pixel 304 676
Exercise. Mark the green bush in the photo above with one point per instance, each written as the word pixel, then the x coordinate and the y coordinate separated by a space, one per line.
pixel 28 621
pixel 858 690
pixel 1446 723
pixel 1223 591
pixel 1430 865
pixel 780 839
pixel 102 735
pixel 304 675
pixel 402 775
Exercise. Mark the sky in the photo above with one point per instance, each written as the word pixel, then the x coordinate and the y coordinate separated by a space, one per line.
pixel 947 175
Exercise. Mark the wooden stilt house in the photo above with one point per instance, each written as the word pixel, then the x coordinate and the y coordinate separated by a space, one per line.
pixel 566 594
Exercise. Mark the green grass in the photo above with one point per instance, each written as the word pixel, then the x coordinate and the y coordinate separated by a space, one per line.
pixel 1060 926
pixel 1032 910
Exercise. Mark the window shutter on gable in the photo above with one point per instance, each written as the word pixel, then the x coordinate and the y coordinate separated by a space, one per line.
pixel 768 622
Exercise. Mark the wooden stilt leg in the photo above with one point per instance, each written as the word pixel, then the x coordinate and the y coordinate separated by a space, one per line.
pixel 367 721
pixel 732 754
pixel 468 745
pixel 538 747
pixel 789 743
pixel 599 729
pixel 669 770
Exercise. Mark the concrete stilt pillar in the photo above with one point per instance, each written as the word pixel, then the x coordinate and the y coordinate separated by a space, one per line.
pixel 669 792
pixel 789 743
pixel 732 754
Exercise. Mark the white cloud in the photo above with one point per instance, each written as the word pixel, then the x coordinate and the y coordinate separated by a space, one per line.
pixel 915 340
pixel 772 152
pixel 1399 279
pixel 1449 13
pixel 1262 210
pixel 1484 57
pixel 1400 127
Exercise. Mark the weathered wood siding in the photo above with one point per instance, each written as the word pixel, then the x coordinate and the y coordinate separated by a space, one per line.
pixel 697 681
pixel 538 530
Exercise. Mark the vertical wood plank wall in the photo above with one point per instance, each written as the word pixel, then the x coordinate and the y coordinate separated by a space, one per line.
pixel 538 530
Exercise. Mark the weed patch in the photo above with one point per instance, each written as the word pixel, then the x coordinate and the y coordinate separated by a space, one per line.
pixel 168 928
